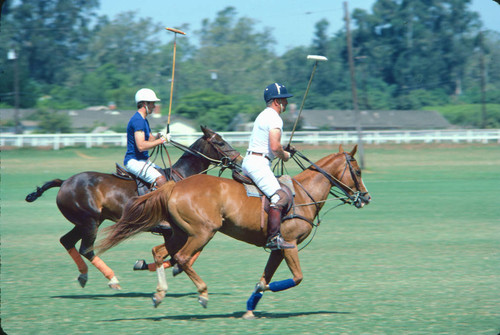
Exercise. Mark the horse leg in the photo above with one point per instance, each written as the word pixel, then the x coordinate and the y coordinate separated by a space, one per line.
pixel 86 249
pixel 184 256
pixel 292 259
pixel 69 241
pixel 177 270
pixel 272 265
pixel 159 253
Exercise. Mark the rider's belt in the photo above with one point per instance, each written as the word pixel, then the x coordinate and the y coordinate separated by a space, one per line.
pixel 258 154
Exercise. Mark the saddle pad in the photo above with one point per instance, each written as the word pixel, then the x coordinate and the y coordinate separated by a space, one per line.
pixel 253 191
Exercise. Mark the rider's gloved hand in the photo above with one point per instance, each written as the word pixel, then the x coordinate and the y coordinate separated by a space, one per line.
pixel 290 149
pixel 165 137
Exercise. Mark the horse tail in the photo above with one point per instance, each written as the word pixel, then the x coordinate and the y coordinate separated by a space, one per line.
pixel 39 190
pixel 140 214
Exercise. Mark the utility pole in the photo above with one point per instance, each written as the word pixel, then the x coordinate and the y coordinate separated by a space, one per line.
pixel 12 55
pixel 357 117
pixel 483 81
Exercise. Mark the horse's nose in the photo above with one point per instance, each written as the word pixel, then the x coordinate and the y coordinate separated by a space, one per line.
pixel 366 198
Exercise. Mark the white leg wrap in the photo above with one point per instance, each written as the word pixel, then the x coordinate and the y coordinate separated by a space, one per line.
pixel 162 279
pixel 113 281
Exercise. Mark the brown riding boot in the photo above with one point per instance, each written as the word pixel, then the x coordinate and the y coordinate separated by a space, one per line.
pixel 274 239
pixel 159 182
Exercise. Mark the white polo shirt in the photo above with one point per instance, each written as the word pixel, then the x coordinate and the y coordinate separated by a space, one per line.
pixel 259 140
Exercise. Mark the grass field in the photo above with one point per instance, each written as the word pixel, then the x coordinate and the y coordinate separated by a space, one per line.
pixel 423 258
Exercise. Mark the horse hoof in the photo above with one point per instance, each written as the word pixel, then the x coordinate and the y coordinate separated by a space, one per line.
pixel 249 315
pixel 116 287
pixel 82 279
pixel 176 269
pixel 140 264
pixel 156 301
pixel 114 284
pixel 203 301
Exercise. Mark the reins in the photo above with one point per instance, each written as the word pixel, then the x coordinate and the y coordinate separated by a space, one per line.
pixel 223 163
pixel 334 181
pixel 346 198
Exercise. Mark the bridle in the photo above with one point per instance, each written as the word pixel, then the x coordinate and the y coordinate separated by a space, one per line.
pixel 227 160
pixel 228 157
pixel 357 197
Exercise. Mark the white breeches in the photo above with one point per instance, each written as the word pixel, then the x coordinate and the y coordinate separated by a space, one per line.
pixel 258 168
pixel 143 169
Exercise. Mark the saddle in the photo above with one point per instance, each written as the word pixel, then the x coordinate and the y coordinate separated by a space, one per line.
pixel 143 186
pixel 252 190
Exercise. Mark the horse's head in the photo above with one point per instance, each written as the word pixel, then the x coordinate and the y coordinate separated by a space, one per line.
pixel 222 149
pixel 351 181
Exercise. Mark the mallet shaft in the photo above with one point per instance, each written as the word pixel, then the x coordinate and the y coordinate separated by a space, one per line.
pixel 317 59
pixel 175 31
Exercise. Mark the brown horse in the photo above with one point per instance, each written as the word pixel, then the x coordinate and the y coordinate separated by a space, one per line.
pixel 201 205
pixel 88 198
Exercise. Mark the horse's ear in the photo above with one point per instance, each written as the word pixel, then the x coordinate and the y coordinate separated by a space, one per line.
pixel 206 131
pixel 353 151
pixel 341 149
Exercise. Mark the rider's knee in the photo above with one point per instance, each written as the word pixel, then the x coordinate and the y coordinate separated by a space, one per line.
pixel 160 181
pixel 280 199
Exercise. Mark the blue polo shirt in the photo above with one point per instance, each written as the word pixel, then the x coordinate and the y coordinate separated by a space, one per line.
pixel 136 123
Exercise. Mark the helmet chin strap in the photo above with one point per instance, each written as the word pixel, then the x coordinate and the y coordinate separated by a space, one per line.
pixel 282 109
pixel 147 108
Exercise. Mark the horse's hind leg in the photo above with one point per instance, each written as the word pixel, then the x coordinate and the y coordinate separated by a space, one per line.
pixel 86 249
pixel 184 257
pixel 69 241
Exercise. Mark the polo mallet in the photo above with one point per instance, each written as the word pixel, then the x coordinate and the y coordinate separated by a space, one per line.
pixel 175 31
pixel 317 59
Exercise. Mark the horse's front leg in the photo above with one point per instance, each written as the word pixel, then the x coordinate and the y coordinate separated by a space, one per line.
pixel 272 265
pixel 159 253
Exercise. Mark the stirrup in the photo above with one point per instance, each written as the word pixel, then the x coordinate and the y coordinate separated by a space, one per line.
pixel 277 242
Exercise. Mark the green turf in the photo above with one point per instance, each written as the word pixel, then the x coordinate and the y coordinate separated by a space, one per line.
pixel 423 258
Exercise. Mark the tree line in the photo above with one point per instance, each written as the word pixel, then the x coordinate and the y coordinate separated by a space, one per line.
pixel 408 55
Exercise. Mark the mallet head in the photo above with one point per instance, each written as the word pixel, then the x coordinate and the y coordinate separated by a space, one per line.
pixel 177 31
pixel 317 58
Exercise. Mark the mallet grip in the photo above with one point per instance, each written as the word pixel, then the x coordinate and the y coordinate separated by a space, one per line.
pixel 177 31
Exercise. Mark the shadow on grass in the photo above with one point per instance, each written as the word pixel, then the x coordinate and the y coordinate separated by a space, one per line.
pixel 235 315
pixel 126 295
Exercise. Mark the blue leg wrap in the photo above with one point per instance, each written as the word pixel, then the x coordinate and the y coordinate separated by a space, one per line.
pixel 254 300
pixel 281 285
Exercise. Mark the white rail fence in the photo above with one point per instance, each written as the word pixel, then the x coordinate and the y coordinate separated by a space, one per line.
pixel 57 141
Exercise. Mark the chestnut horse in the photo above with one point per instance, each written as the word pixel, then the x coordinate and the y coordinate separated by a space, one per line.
pixel 88 198
pixel 201 205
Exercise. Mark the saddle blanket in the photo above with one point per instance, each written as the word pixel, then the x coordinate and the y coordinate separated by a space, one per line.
pixel 253 191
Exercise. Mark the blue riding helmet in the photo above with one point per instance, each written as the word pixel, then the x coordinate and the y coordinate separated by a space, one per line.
pixel 276 91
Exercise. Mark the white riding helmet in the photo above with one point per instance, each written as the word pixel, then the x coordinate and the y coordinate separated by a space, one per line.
pixel 145 94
